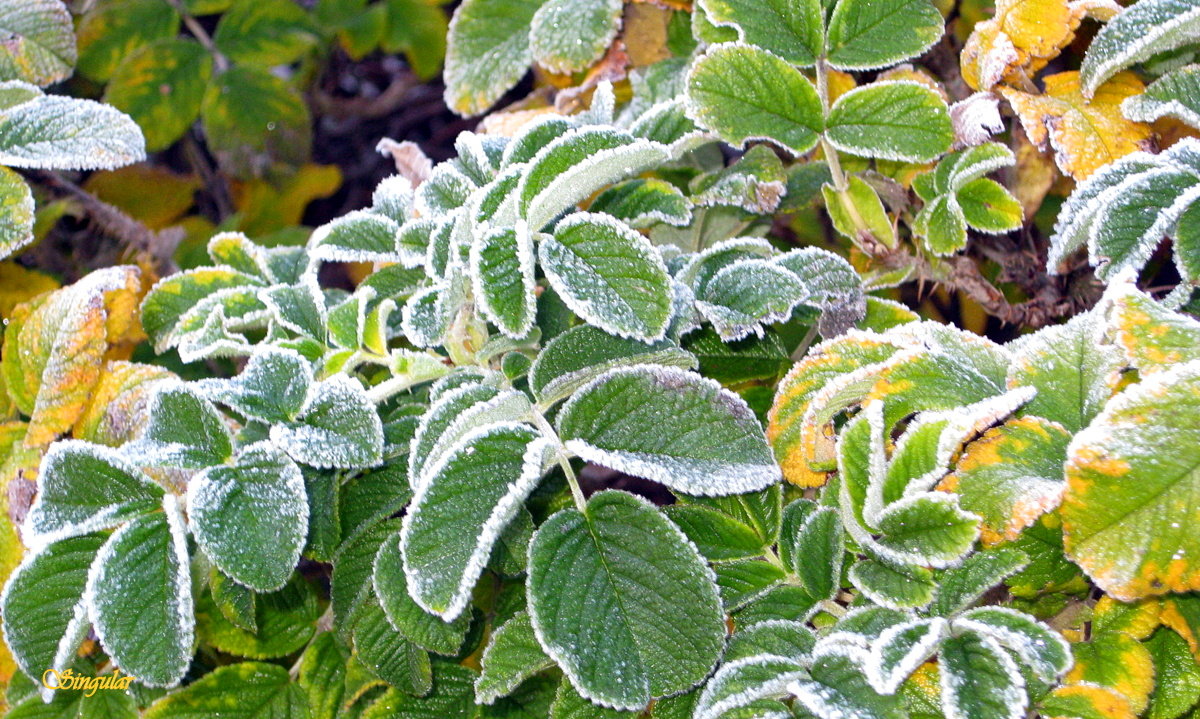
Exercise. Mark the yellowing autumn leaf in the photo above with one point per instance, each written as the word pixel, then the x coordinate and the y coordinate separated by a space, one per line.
pixel 1084 135
pixel 54 348
pixel 1023 36
pixel 18 284
pixel 119 403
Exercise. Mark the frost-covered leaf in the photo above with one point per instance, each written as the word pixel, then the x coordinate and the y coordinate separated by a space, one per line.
pixel 39 45
pixel 893 585
pixel 337 427
pixel 139 597
pixel 1012 475
pixel 793 640
pixel 118 410
pixel 161 86
pixel 1176 94
pixel 903 121
pixel 574 166
pixel 866 35
pixel 569 704
pixel 717 535
pixel 838 687
pixel 271 388
pixel 185 430
pixel 1137 543
pixel 176 303
pixel 16 213
pixel 625 626
pixel 643 420
pixel 832 286
pixel 360 236
pixel 55 345
pixel 487 52
pixel 579 355
pixel 740 682
pixel 503 275
pixel 929 529
pixel 743 581
pixel 900 649
pixel 567 36
pixel 445 190
pixel 644 202
pixel 755 183
pixel 743 296
pixel 455 414
pixel 512 655
pixel 44 615
pixel 1154 26
pixel 84 487
pixel 1037 646
pixel 979 679
pixel 817 552
pixel 731 78
pixel 426 630
pixel 609 275
pixel 64 133
pixel 961 586
pixel 1085 133
pixel 445 541
pixel 791 30
pixel 1153 338
pixel 858 213
pixel 263 691
pixel 450 697
pixel 251 517
pixel 387 655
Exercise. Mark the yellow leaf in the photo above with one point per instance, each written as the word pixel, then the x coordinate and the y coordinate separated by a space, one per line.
pixel 55 346
pixel 17 464
pixel 118 407
pixel 18 285
pixel 267 207
pixel 1036 174
pixel 645 33
pixel 1022 37
pixel 1117 661
pixel 1090 700
pixel 1083 134
pixel 154 196
pixel 1138 619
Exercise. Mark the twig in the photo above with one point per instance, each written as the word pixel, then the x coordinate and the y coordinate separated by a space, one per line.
pixel 197 30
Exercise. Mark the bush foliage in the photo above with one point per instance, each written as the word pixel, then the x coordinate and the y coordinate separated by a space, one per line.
pixel 635 406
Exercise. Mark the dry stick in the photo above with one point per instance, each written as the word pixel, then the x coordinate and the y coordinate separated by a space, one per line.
pixel 158 246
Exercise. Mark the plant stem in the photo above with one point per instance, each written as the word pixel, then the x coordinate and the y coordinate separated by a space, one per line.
pixel 197 30
pixel 831 157
pixel 564 460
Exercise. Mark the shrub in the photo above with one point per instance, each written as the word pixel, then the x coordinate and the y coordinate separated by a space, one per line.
pixel 394 503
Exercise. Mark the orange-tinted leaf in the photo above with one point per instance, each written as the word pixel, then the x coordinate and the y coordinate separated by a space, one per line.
pixel 118 407
pixel 1083 134
pixel 1119 662
pixel 1093 701
pixel 155 196
pixel 1137 619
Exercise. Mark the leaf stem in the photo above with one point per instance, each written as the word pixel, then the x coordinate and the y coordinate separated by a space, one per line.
pixel 564 460
pixel 197 30
pixel 831 156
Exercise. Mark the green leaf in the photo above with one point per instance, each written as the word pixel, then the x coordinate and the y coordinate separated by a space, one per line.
pixel 942 225
pixel 174 302
pixel 512 656
pixel 270 389
pixel 928 529
pixel 445 541
pixel 418 28
pixel 1153 337
pixel 624 625
pixel 53 132
pixel 644 202
pixel 264 32
pixel 450 697
pixel 253 120
pixel 251 517
pixel 337 427
pixel 893 585
pixel 579 355
pixel 754 358
pixel 740 682
pixel 840 687
pixel 1037 646
pixel 322 675
pixel 867 35
pixel 858 214
pixel 644 420
pixel 567 36
pixel 743 296
pixel 452 416
pixel 903 121
pixel 388 655
pixel 139 597
pixel 989 207
pixel 1132 37
pixel 817 553
pixel 502 274
pixel 359 236
pixel 426 630
pixel 284 621
pixel 742 581
pixel 353 569
pixel 16 213
pixel 782 638
pixel 717 535
pixel 84 487
pixel 792 30
pixel 571 168
pixel 1176 94
pixel 113 30
pixel 185 430
pixel 569 704
pixel 901 649
pixel 45 619
pixel 263 691
pixel 234 601
pixel 1109 527
pixel 980 680
pixel 609 275
pixel 40 42
pixel 161 87
pixel 960 587
pixel 488 52
pixel 743 93
pixel 1176 676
